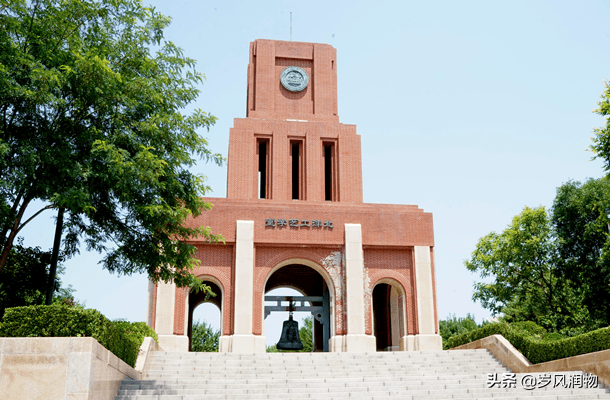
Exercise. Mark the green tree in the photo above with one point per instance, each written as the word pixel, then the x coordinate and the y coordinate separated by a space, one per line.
pixel 601 140
pixel 204 337
pixel 91 121
pixel 581 224
pixel 24 278
pixel 306 334
pixel 453 326
pixel 526 284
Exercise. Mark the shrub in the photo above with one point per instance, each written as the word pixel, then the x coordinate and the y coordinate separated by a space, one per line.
pixel 134 334
pixel 538 349
pixel 528 327
pixel 137 329
pixel 60 320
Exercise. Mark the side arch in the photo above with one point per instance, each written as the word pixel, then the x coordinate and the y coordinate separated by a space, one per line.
pixel 195 299
pixel 388 306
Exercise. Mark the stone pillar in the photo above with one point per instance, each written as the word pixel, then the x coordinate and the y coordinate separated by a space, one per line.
pixel 164 319
pixel 150 302
pixel 356 340
pixel 427 338
pixel 242 340
pixel 395 319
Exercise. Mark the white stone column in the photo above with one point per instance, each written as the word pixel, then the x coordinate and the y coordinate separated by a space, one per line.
pixel 164 319
pixel 356 340
pixel 394 319
pixel 426 339
pixel 150 302
pixel 243 341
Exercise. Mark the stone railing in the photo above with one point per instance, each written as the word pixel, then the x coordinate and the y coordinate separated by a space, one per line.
pixel 76 368
pixel 597 363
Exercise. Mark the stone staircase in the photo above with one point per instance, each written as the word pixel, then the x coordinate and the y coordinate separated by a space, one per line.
pixel 465 374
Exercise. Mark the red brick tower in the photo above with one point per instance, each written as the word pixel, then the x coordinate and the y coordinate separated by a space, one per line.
pixel 294 217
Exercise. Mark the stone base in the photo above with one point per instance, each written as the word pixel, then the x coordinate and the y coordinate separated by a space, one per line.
pixel 224 344
pixel 335 344
pixel 353 344
pixel 407 343
pixel 242 344
pixel 174 343
pixel 429 342
pixel 421 342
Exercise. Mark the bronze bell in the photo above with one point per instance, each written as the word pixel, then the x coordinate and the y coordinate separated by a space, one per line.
pixel 290 336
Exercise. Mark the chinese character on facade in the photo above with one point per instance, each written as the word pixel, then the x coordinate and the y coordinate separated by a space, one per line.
pixel 294 223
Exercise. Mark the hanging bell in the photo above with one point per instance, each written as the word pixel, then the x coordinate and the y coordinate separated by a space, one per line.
pixel 290 336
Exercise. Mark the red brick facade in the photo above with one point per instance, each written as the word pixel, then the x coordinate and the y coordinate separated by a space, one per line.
pixel 329 152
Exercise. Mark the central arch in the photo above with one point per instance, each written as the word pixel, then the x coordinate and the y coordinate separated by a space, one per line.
pixel 309 279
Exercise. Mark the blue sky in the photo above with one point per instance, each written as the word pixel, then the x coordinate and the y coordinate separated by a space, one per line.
pixel 477 108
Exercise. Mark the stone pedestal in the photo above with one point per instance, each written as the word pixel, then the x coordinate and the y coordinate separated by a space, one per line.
pixel 173 343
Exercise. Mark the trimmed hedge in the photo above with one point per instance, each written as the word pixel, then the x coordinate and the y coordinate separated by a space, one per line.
pixel 60 320
pixel 536 347
pixel 134 334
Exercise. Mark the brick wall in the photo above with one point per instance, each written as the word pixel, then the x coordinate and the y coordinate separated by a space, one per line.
pixel 217 261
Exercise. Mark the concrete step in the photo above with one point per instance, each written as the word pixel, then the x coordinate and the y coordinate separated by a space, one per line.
pixel 370 395
pixel 418 390
pixel 336 369
pixel 319 357
pixel 341 376
pixel 221 364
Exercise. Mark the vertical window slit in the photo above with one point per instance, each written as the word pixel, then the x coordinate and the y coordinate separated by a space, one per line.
pixel 329 172
pixel 296 169
pixel 263 168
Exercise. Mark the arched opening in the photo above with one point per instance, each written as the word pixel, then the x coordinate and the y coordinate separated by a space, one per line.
pixel 388 318
pixel 275 320
pixel 202 310
pixel 306 281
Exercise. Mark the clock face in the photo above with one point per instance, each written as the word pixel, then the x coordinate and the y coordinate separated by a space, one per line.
pixel 294 79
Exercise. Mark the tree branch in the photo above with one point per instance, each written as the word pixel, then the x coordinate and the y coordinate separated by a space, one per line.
pixel 34 216
pixel 11 213
pixel 25 43
pixel 11 237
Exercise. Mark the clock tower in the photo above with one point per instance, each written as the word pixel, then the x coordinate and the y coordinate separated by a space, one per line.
pixel 294 217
